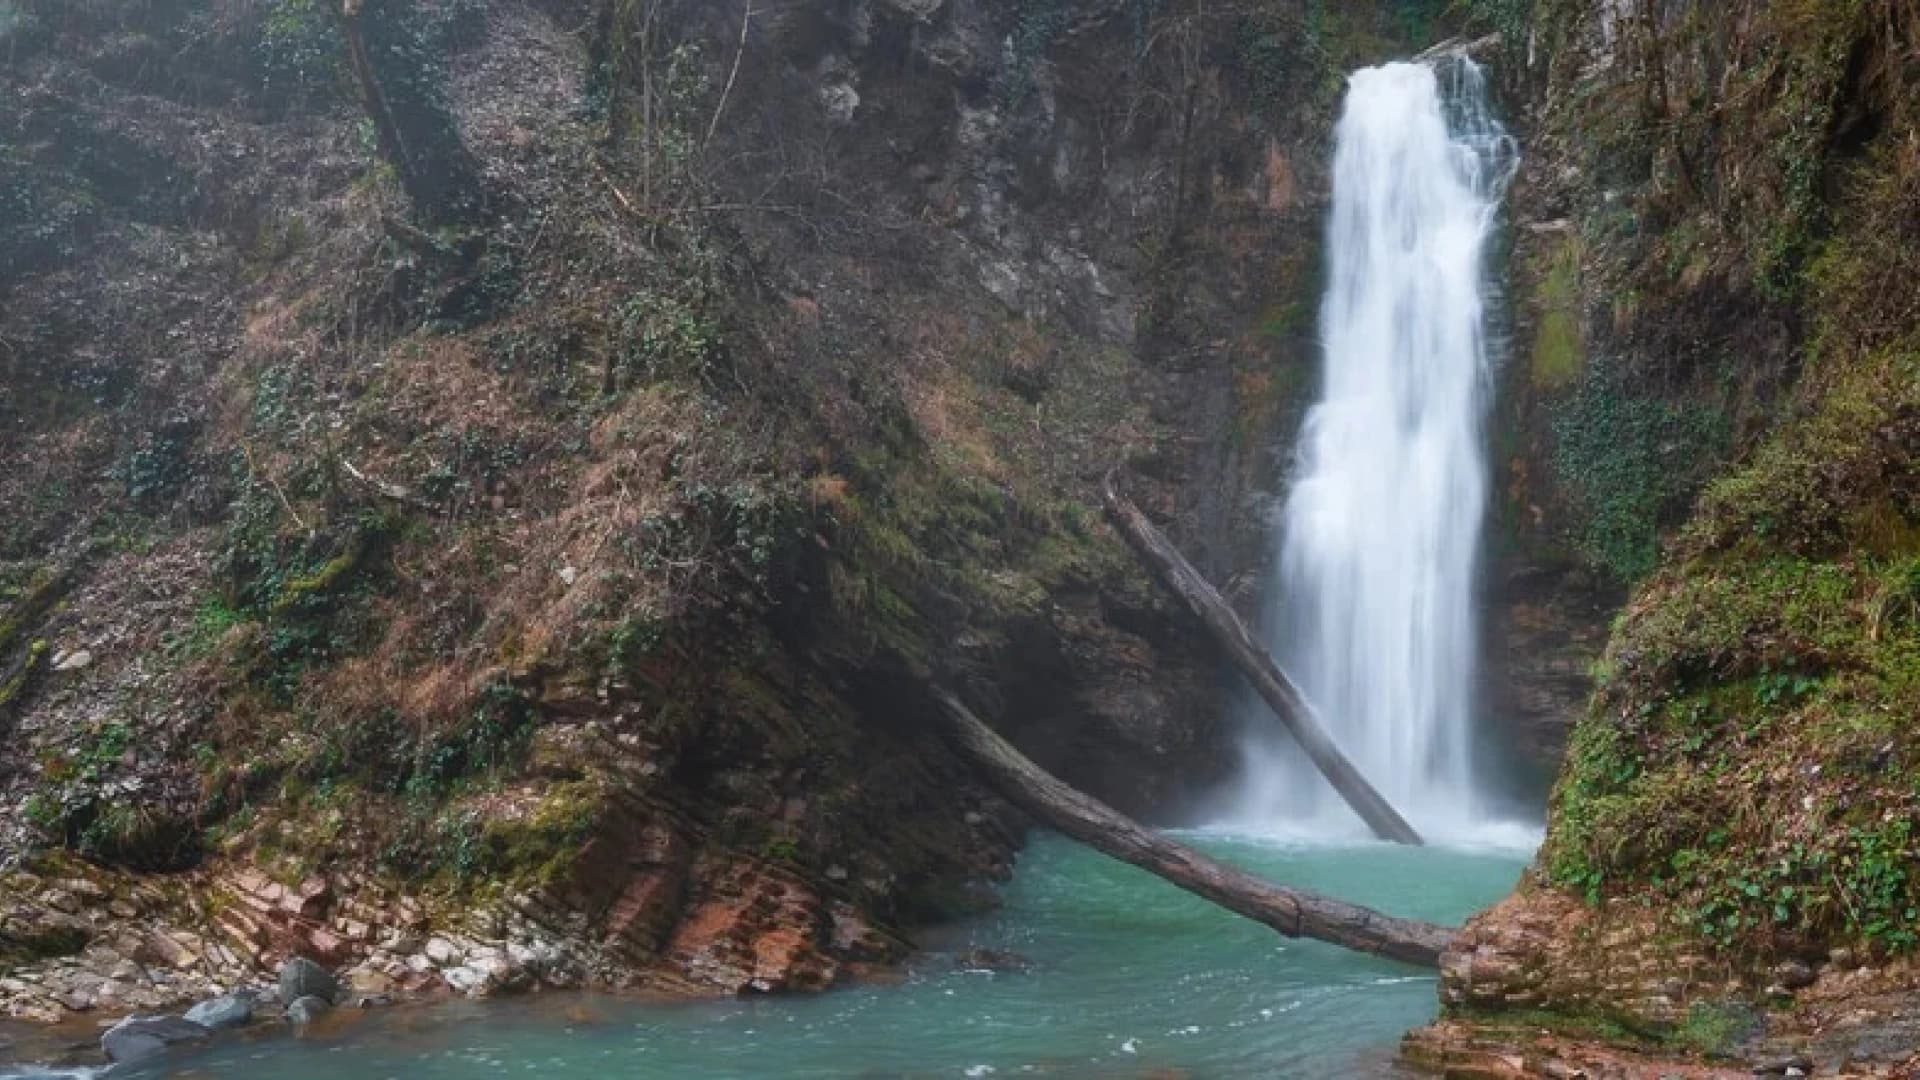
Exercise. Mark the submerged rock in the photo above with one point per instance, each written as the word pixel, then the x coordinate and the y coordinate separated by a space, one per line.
pixel 305 1010
pixel 980 959
pixel 142 1038
pixel 301 977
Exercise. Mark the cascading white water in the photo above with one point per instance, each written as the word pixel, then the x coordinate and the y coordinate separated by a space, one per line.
pixel 1373 615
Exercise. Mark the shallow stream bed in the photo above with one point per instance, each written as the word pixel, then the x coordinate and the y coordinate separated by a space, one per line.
pixel 1127 977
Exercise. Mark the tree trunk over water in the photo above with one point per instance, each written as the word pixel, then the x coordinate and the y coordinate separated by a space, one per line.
pixel 1275 688
pixel 1079 815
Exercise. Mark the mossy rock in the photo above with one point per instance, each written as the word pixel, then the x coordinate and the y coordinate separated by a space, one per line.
pixel 15 679
pixel 42 591
pixel 328 577
pixel 538 849
pixel 28 942
pixel 1559 353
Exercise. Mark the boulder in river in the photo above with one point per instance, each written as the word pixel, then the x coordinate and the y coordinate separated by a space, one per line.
pixel 301 977
pixel 981 959
pixel 305 1010
pixel 142 1038
pixel 225 1011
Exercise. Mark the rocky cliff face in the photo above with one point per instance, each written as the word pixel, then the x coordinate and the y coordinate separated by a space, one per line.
pixel 553 599
pixel 1712 267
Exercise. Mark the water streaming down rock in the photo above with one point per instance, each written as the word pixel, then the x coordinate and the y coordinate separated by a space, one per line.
pixel 1380 532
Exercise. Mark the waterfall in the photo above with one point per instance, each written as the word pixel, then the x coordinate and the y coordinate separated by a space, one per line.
pixel 1372 612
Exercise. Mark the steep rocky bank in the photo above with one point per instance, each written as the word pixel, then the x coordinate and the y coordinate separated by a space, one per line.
pixel 541 584
pixel 1714 279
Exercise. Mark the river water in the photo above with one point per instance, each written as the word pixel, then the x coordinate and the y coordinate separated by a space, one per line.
pixel 1128 977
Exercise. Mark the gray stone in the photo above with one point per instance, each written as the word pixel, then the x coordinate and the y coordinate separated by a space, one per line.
pixel 922 10
pixel 305 1010
pixel 306 979
pixel 301 977
pixel 842 101
pixel 227 1010
pixel 142 1038
pixel 442 952
pixel 466 979
pixel 73 661
pixel 1793 975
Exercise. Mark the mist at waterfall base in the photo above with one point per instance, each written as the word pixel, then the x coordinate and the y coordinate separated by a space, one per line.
pixel 1372 607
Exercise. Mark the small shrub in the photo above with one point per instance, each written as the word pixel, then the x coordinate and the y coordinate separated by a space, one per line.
pixel 663 337
pixel 299 52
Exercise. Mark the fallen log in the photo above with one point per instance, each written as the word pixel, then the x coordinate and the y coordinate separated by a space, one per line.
pixel 1290 911
pixel 1273 685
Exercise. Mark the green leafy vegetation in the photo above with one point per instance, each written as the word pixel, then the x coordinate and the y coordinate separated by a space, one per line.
pixel 80 808
pixel 665 337
pixel 300 52
pixel 1629 460
pixel 1747 767
pixel 1746 754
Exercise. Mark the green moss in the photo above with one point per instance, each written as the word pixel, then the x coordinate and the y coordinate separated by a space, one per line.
pixel 14 685
pixel 1832 482
pixel 1713 1029
pixel 922 533
pixel 1800 92
pixel 322 580
pixel 1587 1026
pixel 781 849
pixel 1559 347
pixel 41 592
pixel 534 850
